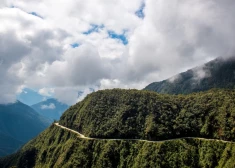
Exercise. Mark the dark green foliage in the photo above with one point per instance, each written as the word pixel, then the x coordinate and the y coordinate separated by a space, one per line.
pixel 219 73
pixel 132 114
pixel 50 150
pixel 138 114
pixel 28 158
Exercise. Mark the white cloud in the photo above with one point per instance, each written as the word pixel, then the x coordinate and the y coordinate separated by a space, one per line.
pixel 84 94
pixel 174 78
pixel 25 45
pixel 67 95
pixel 2 3
pixel 79 66
pixel 79 14
pixel 178 35
pixel 173 36
pixel 46 91
pixel 116 83
pixel 201 73
pixel 50 106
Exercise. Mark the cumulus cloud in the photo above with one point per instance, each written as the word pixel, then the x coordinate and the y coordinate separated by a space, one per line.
pixel 79 66
pixel 51 106
pixel 177 35
pixel 169 37
pixel 67 95
pixel 3 3
pixel 46 91
pixel 26 43
pixel 115 15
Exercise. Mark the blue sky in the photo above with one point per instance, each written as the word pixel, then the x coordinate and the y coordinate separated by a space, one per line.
pixel 74 45
pixel 120 37
pixel 140 12
pixel 110 44
pixel 112 34
pixel 30 97
pixel 31 13
pixel 94 28
pixel 36 14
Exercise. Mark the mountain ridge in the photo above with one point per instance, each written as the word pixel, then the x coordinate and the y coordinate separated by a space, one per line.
pixel 139 112
pixel 50 108
pixel 218 73
pixel 19 123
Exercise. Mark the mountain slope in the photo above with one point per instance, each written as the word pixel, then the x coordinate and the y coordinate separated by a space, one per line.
pixel 57 148
pixel 219 73
pixel 8 144
pixel 51 109
pixel 147 115
pixel 19 123
pixel 138 114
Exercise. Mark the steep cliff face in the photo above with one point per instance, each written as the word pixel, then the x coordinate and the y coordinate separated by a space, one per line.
pixel 135 114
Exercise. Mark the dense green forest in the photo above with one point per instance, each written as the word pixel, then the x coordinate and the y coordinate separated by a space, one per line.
pixel 58 148
pixel 218 73
pixel 138 114
pixel 147 115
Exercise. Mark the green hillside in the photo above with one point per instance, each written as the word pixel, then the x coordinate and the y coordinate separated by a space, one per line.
pixel 147 115
pixel 134 114
pixel 218 73
pixel 56 148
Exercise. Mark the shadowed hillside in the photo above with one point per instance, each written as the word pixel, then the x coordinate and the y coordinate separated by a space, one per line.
pixel 18 124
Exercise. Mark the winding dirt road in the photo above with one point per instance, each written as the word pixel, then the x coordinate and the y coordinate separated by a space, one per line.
pixel 84 137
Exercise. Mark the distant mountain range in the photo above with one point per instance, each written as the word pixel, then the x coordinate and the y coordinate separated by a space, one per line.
pixel 18 124
pixel 218 73
pixel 50 108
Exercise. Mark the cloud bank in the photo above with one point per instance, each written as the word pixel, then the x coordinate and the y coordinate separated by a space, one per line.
pixel 118 43
pixel 51 106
